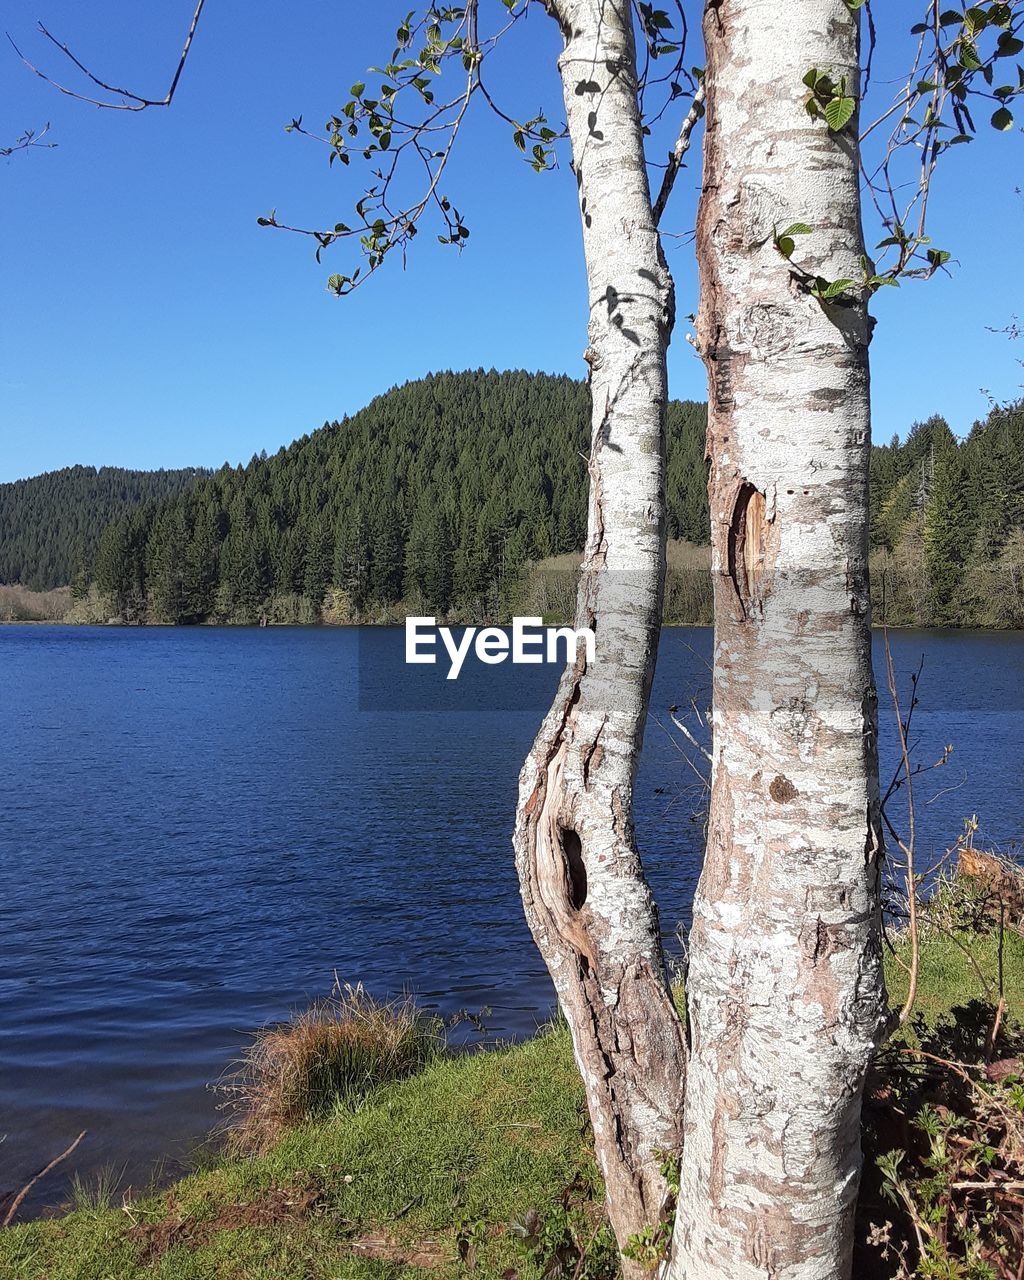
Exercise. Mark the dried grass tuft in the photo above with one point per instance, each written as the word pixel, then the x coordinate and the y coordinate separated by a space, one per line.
pixel 336 1052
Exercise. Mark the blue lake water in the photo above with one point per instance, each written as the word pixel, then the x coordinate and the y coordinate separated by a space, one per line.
pixel 200 827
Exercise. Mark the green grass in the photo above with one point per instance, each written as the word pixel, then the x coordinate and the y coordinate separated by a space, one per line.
pixel 477 1138
pixel 450 1156
pixel 948 979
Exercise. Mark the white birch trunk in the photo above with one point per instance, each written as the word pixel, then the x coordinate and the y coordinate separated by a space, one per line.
pixel 785 988
pixel 584 893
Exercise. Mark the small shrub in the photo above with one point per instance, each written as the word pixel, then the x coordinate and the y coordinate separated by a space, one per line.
pixel 336 1052
pixel 568 1242
pixel 953 1181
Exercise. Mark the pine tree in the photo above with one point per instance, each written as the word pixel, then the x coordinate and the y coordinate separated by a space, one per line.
pixel 949 534
pixel 317 571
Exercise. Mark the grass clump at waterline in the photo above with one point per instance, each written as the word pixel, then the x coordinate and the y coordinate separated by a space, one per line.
pixel 477 1165
pixel 333 1054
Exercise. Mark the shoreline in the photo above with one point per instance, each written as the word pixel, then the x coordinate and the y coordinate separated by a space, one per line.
pixel 341 626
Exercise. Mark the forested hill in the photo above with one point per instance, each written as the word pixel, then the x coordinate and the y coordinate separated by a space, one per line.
pixel 436 495
pixel 50 525
pixel 439 490
pixel 947 525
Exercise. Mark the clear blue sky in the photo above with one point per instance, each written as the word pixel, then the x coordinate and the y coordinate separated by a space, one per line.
pixel 147 321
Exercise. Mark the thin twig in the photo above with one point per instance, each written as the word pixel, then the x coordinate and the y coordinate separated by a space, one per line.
pixel 993 1034
pixel 19 1198
pixel 908 847
pixel 137 101
pixel 30 138
pixel 690 738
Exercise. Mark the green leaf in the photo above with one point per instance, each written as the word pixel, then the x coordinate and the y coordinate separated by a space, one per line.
pixel 826 290
pixel 967 54
pixel 1002 119
pixel 797 229
pixel 976 20
pixel 839 113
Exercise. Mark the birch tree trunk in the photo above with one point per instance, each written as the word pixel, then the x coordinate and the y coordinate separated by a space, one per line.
pixel 785 988
pixel 583 889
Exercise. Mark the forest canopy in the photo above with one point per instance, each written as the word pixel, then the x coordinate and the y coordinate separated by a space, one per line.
pixel 441 492
pixel 50 525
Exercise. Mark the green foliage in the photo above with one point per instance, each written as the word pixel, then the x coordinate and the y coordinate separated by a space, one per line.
pixel 50 525
pixel 784 240
pixel 829 98
pixel 443 493
pixel 437 493
pixel 951 1182
pixel 946 524
pixel 949 535
pixel 564 1241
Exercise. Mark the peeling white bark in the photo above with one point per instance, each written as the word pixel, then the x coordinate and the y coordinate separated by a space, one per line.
pixel 584 893
pixel 785 988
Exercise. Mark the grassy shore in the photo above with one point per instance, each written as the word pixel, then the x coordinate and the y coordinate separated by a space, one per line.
pixel 477 1165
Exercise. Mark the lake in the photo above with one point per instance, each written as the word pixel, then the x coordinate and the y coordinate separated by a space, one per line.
pixel 200 827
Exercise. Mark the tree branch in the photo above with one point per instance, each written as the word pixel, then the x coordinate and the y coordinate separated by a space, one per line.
pixel 16 1203
pixel 29 139
pixel 137 102
pixel 675 160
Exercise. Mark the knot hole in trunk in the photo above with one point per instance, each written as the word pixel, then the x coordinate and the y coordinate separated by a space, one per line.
pixel 575 867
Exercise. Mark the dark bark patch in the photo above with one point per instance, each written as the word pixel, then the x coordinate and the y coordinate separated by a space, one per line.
pixel 826 398
pixel 782 790
pixel 575 868
pixel 591 763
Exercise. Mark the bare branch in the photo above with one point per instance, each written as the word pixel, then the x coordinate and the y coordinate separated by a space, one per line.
pixel 136 101
pixel 690 738
pixel 16 1203
pixel 908 846
pixel 675 160
pixel 30 138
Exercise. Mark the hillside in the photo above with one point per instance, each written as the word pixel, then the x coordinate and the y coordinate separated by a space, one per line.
pixel 947 524
pixel 438 492
pixel 50 525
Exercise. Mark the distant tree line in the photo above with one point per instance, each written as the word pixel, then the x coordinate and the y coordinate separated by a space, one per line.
pixel 947 524
pixel 438 495
pixel 50 525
